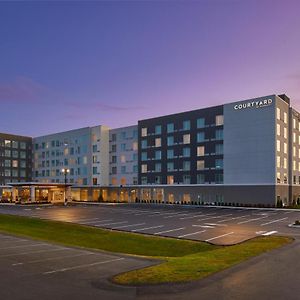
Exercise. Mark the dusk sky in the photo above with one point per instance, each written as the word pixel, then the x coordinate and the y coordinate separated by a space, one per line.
pixel 66 65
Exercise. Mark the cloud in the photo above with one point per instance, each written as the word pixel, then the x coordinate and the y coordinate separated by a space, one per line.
pixel 22 90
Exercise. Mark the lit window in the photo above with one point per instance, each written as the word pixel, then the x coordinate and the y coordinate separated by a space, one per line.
pixel 200 151
pixel 278 161
pixel 294 124
pixel 278 129
pixel 170 179
pixel 278 113
pixel 294 151
pixel 186 138
pixel 123 158
pixel 278 146
pixel 285 132
pixel 285 117
pixel 144 168
pixel 200 164
pixel 294 166
pixel 158 142
pixel 15 163
pixel 285 163
pixel 285 148
pixel 219 120
pixel 134 146
pixel 144 132
pixel 278 177
pixel 294 137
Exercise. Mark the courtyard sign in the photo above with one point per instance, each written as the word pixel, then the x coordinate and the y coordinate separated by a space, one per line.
pixel 254 104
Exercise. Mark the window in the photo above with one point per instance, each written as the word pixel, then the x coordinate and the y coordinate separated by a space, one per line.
pixel 284 163
pixel 285 148
pixel 15 144
pixel 113 148
pixel 278 129
pixel 123 135
pixel 170 153
pixel 170 140
pixel 294 151
pixel 219 148
pixel 186 152
pixel 200 178
pixel 135 169
pixel 144 132
pixel 170 179
pixel 218 178
pixel 7 153
pixel 144 144
pixel 123 159
pixel 186 138
pixel 144 180
pixel 144 156
pixel 186 179
pixel 278 162
pixel 113 170
pixel 144 168
pixel 123 147
pixel 113 137
pixel 157 179
pixel 278 177
pixel 170 127
pixel 7 163
pixel 278 113
pixel 158 129
pixel 278 146
pixel 170 166
pixel 200 123
pixel 219 120
pixel 200 165
pixel 15 154
pixel 22 145
pixel 157 154
pixel 94 148
pixel 186 125
pixel 219 134
pixel 123 170
pixel 7 143
pixel 285 117
pixel 294 124
pixel 219 164
pixel 200 150
pixel 158 167
pixel 134 146
pixel 200 137
pixel 285 132
pixel 294 137
pixel 14 163
pixel 95 171
pixel 134 157
pixel 186 166
pixel 158 142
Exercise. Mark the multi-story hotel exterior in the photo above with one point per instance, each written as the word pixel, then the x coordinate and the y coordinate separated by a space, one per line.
pixel 123 157
pixel 15 158
pixel 83 151
pixel 240 153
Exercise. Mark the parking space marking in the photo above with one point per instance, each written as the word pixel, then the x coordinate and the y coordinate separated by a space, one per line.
pixel 217 237
pixel 251 220
pixel 203 226
pixel 274 221
pixel 152 227
pixel 131 225
pixel 214 224
pixel 191 217
pixel 23 246
pixel 177 215
pixel 95 222
pixel 189 234
pixel 52 258
pixel 83 266
pixel 33 252
pixel 171 230
pixel 269 233
pixel 115 223
pixel 235 218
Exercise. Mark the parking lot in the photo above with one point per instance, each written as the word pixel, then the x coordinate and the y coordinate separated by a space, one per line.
pixel 217 225
pixel 32 269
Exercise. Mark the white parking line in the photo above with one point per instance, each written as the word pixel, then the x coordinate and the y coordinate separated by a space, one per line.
pixel 226 220
pixel 115 223
pixel 51 258
pixel 125 226
pixel 278 220
pixel 83 266
pixel 217 237
pixel 214 224
pixel 251 220
pixel 96 222
pixel 171 230
pixel 167 217
pixel 23 246
pixel 152 227
pixel 191 217
pixel 269 233
pixel 189 234
pixel 33 252
pixel 203 226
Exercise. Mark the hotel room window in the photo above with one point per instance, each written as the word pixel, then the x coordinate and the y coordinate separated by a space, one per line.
pixel 144 144
pixel 158 167
pixel 200 178
pixel 219 120
pixel 186 139
pixel 170 179
pixel 278 113
pixel 170 127
pixel 170 140
pixel 200 151
pixel 200 165
pixel 158 142
pixel 144 132
pixel 186 179
pixel 158 154
pixel 219 149
pixel 186 125
pixel 186 166
pixel 200 123
pixel 285 117
pixel 170 166
pixel 278 146
pixel 144 168
pixel 278 129
pixel 186 152
pixel 219 163
pixel 158 129
pixel 144 156
pixel 170 153
pixel 200 137
pixel 219 134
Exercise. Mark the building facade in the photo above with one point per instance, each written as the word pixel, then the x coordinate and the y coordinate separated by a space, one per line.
pixel 15 158
pixel 247 149
pixel 84 152
pixel 123 156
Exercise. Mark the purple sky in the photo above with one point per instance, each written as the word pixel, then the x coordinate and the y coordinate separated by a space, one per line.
pixel 66 65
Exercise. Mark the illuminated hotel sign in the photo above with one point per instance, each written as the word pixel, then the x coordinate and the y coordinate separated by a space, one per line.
pixel 254 104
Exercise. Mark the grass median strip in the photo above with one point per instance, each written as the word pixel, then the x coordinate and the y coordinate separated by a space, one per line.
pixel 182 260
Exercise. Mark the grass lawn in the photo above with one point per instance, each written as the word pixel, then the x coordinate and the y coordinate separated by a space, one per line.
pixel 182 260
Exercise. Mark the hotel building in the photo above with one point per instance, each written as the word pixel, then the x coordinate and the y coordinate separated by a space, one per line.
pixel 84 152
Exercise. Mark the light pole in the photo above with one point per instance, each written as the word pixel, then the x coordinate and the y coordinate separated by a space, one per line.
pixel 65 172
